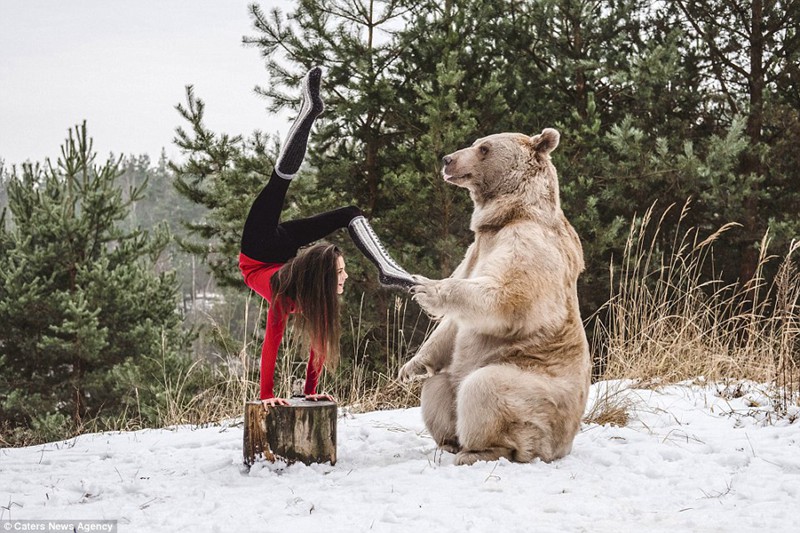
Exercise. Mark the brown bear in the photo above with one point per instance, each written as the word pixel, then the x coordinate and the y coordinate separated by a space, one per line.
pixel 508 364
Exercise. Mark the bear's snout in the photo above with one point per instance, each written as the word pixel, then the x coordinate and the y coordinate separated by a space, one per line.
pixel 448 167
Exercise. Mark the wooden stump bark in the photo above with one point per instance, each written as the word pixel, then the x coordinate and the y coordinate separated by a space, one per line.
pixel 302 431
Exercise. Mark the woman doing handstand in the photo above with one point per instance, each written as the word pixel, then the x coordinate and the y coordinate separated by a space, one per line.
pixel 305 283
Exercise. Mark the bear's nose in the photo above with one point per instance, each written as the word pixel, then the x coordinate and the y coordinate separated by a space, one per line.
pixel 447 160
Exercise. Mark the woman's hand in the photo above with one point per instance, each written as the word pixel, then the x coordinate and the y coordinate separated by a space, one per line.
pixel 272 402
pixel 320 398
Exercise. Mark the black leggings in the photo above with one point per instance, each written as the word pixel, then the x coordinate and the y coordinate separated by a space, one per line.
pixel 265 240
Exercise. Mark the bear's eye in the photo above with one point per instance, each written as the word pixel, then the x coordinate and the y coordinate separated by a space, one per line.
pixel 484 149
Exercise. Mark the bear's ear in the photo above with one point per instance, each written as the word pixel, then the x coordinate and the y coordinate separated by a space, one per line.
pixel 545 142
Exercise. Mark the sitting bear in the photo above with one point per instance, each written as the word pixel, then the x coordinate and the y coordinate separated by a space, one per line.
pixel 508 363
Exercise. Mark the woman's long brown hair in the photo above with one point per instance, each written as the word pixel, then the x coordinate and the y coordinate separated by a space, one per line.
pixel 310 280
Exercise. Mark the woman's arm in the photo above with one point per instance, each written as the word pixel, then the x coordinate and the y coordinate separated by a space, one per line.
pixel 276 324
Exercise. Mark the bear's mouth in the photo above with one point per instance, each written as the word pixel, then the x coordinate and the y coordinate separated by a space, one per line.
pixel 452 179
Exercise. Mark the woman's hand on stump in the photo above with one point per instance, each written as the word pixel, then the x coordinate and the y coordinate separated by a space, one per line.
pixel 320 398
pixel 272 402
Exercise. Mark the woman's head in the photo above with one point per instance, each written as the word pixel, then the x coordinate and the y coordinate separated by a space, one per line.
pixel 313 280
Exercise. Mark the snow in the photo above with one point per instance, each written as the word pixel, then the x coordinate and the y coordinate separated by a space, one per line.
pixel 691 458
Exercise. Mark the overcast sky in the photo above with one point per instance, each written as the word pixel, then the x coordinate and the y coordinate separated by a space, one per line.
pixel 122 66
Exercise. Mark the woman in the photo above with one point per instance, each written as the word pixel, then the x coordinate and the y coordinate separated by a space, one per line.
pixel 306 284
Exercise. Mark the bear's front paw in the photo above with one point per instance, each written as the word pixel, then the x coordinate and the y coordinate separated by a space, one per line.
pixel 427 294
pixel 420 282
pixel 411 370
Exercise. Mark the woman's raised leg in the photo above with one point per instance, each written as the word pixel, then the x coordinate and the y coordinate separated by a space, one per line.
pixel 263 238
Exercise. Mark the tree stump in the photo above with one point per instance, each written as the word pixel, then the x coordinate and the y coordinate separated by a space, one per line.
pixel 302 431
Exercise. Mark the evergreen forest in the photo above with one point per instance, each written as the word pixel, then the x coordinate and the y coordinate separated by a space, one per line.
pixel 121 303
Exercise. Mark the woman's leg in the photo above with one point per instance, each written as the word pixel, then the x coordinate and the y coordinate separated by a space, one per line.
pixel 307 230
pixel 390 273
pixel 294 149
pixel 263 238
pixel 282 243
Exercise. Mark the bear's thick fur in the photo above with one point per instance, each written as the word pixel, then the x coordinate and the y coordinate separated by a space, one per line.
pixel 508 364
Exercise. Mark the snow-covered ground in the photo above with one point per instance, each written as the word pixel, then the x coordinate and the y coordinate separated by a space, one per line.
pixel 690 459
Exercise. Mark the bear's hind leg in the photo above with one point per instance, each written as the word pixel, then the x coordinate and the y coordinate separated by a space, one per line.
pixel 502 411
pixel 488 454
pixel 439 411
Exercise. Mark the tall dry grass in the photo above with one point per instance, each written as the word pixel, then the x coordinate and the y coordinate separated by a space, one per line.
pixel 356 384
pixel 670 316
pixel 364 388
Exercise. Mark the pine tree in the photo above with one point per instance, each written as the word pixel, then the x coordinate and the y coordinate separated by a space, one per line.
pixel 224 174
pixel 86 325
pixel 3 192
pixel 160 205
pixel 749 53
pixel 353 41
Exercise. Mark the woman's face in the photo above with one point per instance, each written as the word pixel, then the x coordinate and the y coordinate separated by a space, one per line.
pixel 341 273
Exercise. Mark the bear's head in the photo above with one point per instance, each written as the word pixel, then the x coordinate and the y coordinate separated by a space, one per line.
pixel 505 165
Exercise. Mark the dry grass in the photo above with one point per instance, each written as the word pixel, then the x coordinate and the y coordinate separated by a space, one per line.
pixel 355 385
pixel 369 390
pixel 668 320
pixel 612 406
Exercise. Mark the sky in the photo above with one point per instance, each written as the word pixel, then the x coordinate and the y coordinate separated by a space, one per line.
pixel 123 66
